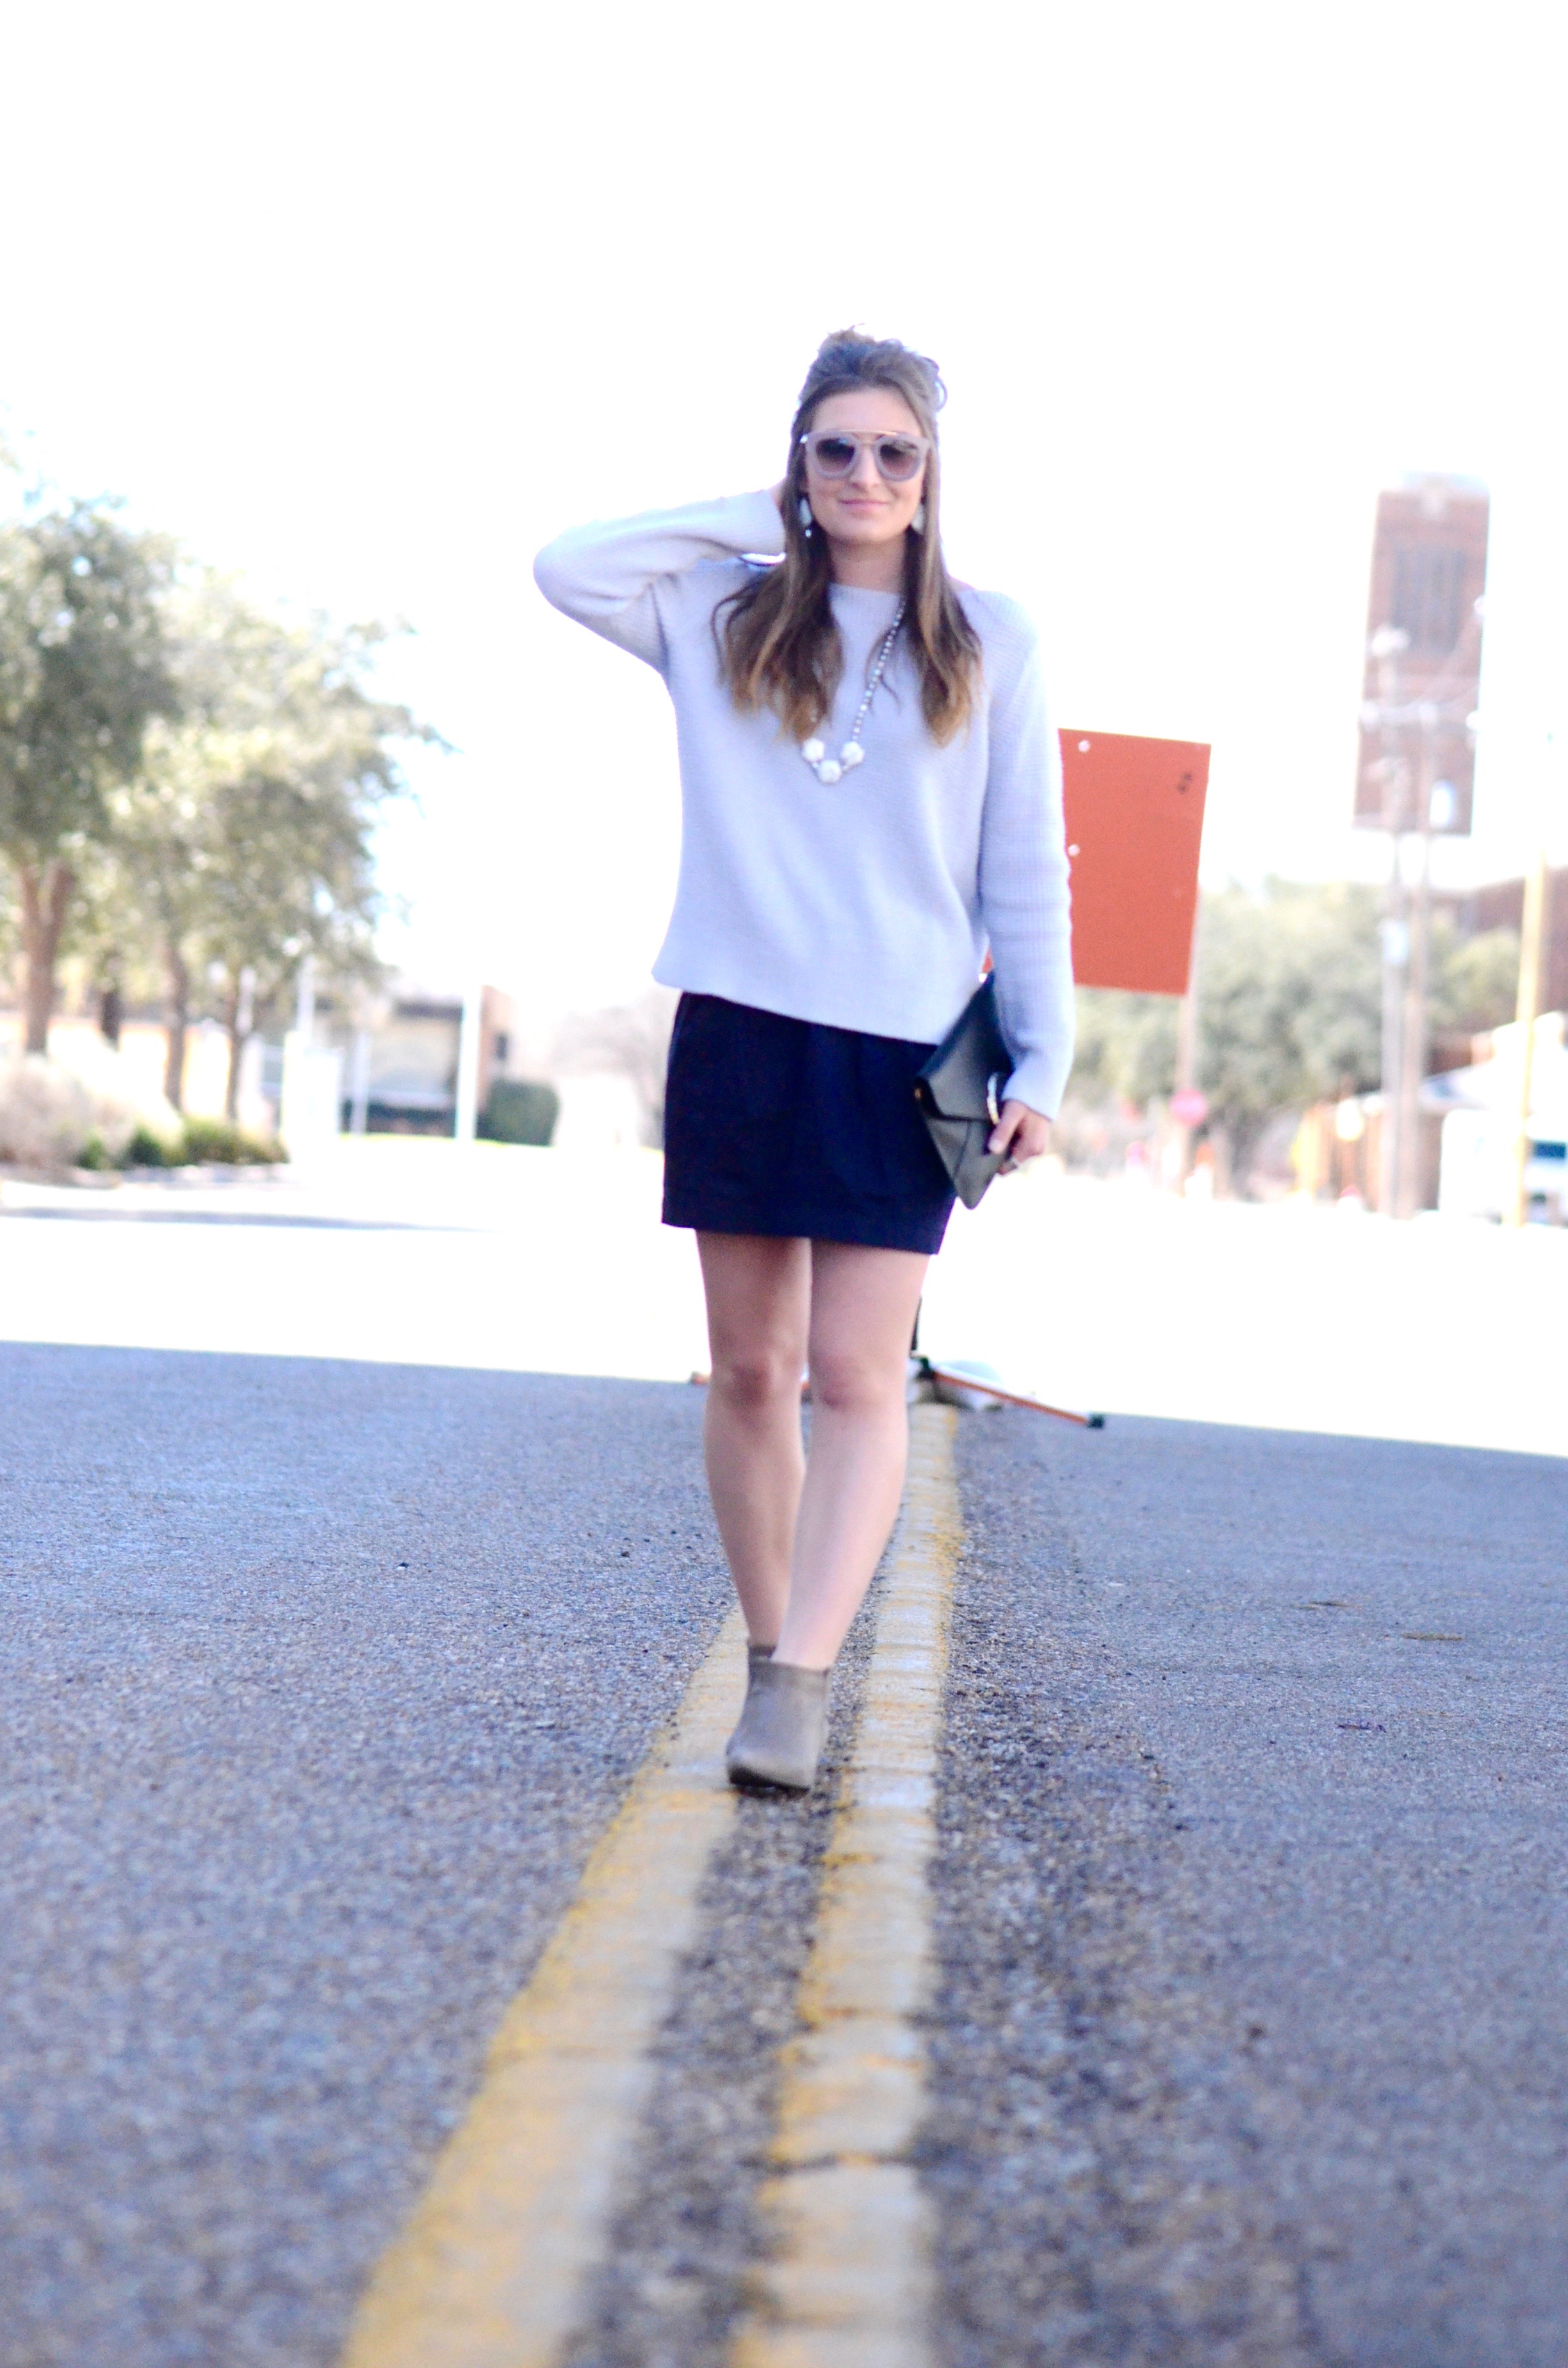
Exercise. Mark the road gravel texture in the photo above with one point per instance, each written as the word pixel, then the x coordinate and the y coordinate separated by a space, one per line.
pixel 1251 1898
pixel 674 2277
pixel 321 1680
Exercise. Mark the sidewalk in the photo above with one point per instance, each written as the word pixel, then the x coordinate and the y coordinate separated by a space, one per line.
pixel 1294 1317
pixel 1105 1295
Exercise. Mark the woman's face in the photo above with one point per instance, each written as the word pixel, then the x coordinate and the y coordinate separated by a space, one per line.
pixel 863 508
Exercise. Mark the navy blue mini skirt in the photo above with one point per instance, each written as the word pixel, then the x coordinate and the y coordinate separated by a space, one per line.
pixel 781 1126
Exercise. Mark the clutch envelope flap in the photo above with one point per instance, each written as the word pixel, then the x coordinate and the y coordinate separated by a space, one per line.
pixel 972 1062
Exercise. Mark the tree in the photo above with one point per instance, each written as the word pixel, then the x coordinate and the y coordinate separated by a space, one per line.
pixel 1290 1009
pixel 1127 1045
pixel 83 669
pixel 245 834
pixel 1475 981
pixel 1289 1005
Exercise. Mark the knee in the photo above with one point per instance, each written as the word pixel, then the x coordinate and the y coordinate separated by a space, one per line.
pixel 845 1382
pixel 755 1380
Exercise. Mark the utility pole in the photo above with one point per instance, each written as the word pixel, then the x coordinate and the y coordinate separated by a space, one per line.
pixel 1416 770
pixel 359 1082
pixel 305 1003
pixel 1395 937
pixel 1186 1099
pixel 468 1052
pixel 1412 1049
pixel 1532 942
pixel 1386 645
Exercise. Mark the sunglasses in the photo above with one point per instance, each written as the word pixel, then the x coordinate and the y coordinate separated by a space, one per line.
pixel 833 453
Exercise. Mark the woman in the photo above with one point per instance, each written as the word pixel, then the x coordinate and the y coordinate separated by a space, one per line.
pixel 872 797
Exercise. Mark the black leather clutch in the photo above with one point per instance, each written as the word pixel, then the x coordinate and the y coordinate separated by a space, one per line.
pixel 958 1090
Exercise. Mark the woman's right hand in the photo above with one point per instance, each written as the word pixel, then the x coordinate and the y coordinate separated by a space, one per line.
pixel 1020 1134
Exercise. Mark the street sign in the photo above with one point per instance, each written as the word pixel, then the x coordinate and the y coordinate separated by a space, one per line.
pixel 1134 827
pixel 1423 667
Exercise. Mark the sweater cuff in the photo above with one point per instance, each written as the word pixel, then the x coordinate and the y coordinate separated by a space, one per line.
pixel 1033 1084
pixel 755 523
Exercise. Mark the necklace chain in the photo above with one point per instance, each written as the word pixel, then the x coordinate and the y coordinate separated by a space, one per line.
pixel 833 768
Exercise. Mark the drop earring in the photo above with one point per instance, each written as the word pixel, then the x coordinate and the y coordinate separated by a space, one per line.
pixel 918 520
pixel 805 514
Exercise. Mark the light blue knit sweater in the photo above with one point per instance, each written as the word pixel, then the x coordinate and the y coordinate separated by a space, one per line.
pixel 868 904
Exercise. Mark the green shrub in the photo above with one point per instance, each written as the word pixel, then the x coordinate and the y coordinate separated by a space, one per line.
pixel 517 1112
pixel 94 1153
pixel 201 1142
pixel 222 1143
pixel 146 1149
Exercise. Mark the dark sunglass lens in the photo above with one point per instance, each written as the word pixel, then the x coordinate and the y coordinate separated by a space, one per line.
pixel 835 455
pixel 898 458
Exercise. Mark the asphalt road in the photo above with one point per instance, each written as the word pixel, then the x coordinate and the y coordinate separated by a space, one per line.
pixel 1254 1905
pixel 321 1678
pixel 319 1681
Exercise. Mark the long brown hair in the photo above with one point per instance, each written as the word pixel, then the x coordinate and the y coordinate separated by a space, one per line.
pixel 778 643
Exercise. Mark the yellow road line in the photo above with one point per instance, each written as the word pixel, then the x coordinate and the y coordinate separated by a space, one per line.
pixel 849 2280
pixel 489 2271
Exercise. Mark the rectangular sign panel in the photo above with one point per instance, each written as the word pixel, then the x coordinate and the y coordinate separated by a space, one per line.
pixel 1134 826
pixel 1423 672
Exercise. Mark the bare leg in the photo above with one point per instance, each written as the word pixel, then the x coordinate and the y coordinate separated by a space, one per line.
pixel 758 1295
pixel 862 1312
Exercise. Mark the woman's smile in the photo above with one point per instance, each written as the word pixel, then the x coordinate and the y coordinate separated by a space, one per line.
pixel 864 516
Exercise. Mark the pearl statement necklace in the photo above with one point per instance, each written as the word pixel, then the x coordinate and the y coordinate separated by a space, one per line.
pixel 833 768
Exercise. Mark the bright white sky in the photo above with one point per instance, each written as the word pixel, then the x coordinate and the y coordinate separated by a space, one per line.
pixel 368 301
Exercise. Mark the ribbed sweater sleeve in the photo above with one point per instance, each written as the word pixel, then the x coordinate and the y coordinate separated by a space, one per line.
pixel 606 575
pixel 1024 896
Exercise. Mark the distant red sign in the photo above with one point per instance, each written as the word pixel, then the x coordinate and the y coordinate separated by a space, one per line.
pixel 1190 1107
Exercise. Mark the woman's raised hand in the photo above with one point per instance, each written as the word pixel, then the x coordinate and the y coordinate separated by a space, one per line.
pixel 1020 1134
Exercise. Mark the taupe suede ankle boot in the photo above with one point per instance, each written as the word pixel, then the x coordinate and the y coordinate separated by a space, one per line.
pixel 782 1728
pixel 755 1652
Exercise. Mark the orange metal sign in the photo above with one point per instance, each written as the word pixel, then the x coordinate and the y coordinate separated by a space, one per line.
pixel 1134 825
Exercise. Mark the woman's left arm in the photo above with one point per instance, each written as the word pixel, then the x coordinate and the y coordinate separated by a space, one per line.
pixel 1024 894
